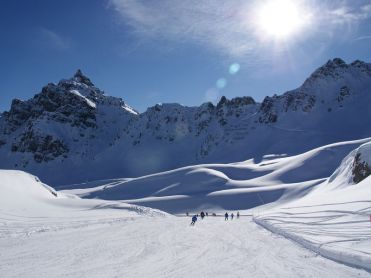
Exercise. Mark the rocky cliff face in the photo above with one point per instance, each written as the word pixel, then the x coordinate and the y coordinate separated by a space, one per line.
pixel 72 131
pixel 362 163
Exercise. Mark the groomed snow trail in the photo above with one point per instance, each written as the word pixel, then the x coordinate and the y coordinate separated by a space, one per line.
pixel 162 247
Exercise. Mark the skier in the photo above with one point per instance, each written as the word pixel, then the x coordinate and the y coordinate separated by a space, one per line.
pixel 187 213
pixel 194 219
pixel 202 215
pixel 232 215
pixel 238 214
pixel 226 216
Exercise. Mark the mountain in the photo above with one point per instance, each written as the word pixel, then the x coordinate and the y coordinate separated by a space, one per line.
pixel 73 132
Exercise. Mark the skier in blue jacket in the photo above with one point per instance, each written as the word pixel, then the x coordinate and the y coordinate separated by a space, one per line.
pixel 194 219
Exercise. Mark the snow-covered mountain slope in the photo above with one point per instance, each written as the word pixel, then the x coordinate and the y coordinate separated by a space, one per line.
pixel 234 186
pixel 334 219
pixel 28 206
pixel 72 132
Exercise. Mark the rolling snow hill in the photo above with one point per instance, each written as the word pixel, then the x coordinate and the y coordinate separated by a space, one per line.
pixel 219 187
pixel 73 132
pixel 28 206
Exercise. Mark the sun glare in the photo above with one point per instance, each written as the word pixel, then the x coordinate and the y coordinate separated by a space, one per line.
pixel 280 18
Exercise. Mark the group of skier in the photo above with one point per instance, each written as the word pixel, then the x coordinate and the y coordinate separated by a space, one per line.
pixel 203 214
pixel 226 215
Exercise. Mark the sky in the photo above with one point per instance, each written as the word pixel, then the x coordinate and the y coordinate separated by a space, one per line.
pixel 184 51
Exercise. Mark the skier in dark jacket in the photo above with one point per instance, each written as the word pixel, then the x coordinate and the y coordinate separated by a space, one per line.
pixel 226 216
pixel 202 215
pixel 194 219
pixel 238 214
pixel 232 215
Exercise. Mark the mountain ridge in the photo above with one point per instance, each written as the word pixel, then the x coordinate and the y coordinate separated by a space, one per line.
pixel 72 131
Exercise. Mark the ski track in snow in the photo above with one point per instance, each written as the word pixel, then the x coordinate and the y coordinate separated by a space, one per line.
pixel 161 247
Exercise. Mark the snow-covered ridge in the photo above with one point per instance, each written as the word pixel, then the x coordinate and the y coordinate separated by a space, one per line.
pixel 72 131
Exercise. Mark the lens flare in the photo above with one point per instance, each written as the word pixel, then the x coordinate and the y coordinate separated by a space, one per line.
pixel 221 83
pixel 234 68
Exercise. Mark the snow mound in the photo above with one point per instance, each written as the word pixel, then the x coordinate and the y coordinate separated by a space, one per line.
pixel 333 220
pixel 28 206
pixel 19 189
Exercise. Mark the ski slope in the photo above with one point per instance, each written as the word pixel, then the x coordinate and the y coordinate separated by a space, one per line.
pixel 163 247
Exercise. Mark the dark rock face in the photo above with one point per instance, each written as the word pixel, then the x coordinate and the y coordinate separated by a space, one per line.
pixel 44 148
pixel 343 94
pixel 361 169
pixel 54 104
pixel 267 111
pixel 235 102
pixel 290 101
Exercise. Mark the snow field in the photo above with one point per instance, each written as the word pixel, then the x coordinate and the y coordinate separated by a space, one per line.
pixel 163 247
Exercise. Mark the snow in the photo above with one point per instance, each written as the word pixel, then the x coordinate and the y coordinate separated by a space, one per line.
pixel 28 206
pixel 309 198
pixel 289 179
pixel 130 110
pixel 333 220
pixel 65 236
pixel 114 141
pixel 241 185
pixel 88 101
pixel 162 247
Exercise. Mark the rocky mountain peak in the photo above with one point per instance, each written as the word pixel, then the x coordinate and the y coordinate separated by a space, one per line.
pixel 237 101
pixel 81 78
pixel 336 62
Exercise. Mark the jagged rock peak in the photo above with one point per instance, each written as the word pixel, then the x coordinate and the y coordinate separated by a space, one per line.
pixel 335 68
pixel 336 61
pixel 237 101
pixel 80 77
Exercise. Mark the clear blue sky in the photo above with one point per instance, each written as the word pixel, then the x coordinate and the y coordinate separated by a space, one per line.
pixel 176 50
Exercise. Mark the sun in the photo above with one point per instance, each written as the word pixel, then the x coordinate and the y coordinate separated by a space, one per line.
pixel 280 19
